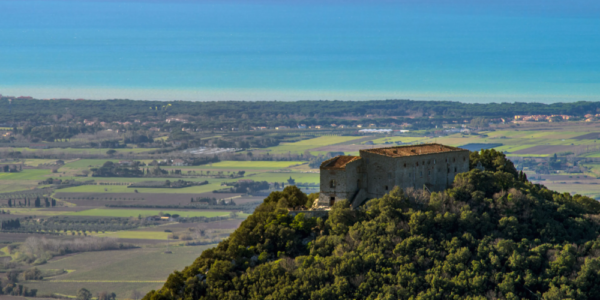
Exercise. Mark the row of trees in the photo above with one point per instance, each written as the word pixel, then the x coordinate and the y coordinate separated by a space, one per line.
pixel 10 224
pixel 39 250
pixel 36 203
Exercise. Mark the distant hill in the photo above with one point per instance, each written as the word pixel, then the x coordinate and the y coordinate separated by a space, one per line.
pixel 494 235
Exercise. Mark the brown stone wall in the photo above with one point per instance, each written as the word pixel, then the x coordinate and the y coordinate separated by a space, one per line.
pixel 379 174
pixel 346 182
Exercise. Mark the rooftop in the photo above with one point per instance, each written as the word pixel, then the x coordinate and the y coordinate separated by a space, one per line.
pixel 424 149
pixel 338 162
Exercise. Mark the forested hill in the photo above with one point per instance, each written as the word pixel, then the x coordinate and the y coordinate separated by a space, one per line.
pixel 494 235
pixel 123 110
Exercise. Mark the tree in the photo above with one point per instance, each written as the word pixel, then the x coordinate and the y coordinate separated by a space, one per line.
pixel 37 202
pixel 291 181
pixel 9 202
pixel 111 152
pixel 84 294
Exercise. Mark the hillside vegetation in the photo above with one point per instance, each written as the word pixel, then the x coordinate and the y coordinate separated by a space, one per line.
pixel 494 235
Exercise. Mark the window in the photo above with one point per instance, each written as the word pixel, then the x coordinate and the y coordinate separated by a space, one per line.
pixel 454 169
pixel 386 187
pixel 464 159
pixel 434 161
pixel 454 160
pixel 448 170
pixel 405 165
pixel 417 164
pixel 429 173
pixel 332 184
pixel 358 183
pixel 331 201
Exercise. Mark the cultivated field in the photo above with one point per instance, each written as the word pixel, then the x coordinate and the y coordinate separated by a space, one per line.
pixel 146 267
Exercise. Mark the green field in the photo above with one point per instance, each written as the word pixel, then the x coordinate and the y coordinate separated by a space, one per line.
pixel 119 271
pixel 30 174
pixel 301 146
pixel 244 165
pixel 125 213
pixel 283 177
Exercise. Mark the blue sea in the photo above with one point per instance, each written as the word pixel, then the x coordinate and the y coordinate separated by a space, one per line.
pixel 466 50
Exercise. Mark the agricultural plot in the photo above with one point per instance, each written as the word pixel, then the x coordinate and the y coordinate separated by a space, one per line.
pixel 401 139
pixel 249 165
pixel 27 174
pixel 284 176
pixel 125 213
pixel 124 189
pixel 119 271
pixel 301 146
pixel 103 199
pixel 81 151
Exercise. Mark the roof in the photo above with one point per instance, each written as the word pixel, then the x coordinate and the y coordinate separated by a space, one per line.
pixel 400 151
pixel 338 162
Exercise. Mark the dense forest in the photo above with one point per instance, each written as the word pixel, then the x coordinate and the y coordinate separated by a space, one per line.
pixel 493 235
pixel 223 113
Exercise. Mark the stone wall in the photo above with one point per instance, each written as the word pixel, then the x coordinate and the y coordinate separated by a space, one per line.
pixel 378 174
pixel 346 185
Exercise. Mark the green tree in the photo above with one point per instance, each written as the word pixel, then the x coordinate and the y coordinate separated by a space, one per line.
pixel 84 294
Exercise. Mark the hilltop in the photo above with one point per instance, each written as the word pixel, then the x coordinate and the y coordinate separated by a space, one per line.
pixel 493 234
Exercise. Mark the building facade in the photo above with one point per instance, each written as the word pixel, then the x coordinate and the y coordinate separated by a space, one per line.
pixel 377 171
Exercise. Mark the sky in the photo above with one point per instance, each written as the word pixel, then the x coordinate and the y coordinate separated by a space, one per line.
pixel 470 51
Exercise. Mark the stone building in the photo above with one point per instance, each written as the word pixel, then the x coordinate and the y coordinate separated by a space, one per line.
pixel 375 172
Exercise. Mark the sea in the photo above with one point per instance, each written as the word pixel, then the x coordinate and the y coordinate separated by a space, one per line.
pixel 464 50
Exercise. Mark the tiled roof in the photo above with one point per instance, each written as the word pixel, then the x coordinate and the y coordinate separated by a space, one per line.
pixel 338 162
pixel 412 150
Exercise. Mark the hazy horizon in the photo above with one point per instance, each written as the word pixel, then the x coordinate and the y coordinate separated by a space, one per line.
pixel 470 51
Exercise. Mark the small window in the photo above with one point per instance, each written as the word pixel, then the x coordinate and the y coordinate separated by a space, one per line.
pixel 417 164
pixel 448 170
pixel 421 173
pixel 454 160
pixel 331 201
pixel 423 162
pixel 434 161
pixel 428 173
pixel 405 165
pixel 386 187
pixel 464 159
pixel 454 169
pixel 332 184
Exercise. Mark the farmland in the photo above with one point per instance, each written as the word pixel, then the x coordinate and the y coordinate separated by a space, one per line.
pixel 105 207
pixel 125 213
